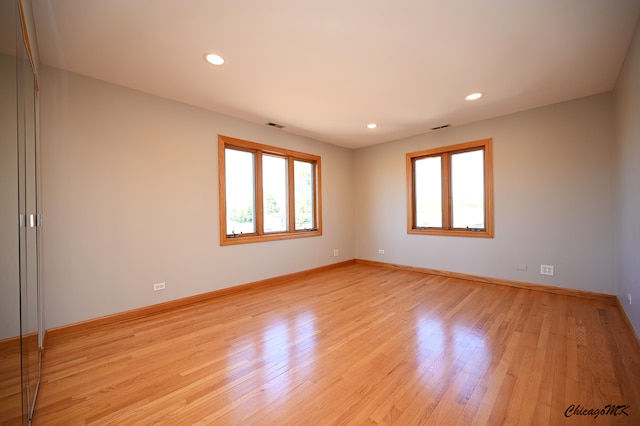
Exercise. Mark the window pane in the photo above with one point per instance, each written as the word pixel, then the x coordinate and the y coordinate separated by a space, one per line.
pixel 467 189
pixel 274 192
pixel 304 195
pixel 428 192
pixel 240 192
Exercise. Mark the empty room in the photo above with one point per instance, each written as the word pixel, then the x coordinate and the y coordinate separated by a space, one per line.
pixel 347 212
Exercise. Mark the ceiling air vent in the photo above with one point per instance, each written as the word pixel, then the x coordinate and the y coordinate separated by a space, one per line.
pixel 276 125
pixel 444 126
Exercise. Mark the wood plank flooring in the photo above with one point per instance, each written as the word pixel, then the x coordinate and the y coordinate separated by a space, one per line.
pixel 10 382
pixel 357 345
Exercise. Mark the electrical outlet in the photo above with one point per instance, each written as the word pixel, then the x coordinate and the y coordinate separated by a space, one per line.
pixel 629 295
pixel 547 270
pixel 336 252
pixel 521 267
pixel 380 251
pixel 158 286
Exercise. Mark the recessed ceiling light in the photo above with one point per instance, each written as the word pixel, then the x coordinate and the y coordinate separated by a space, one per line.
pixel 372 126
pixel 473 97
pixel 214 59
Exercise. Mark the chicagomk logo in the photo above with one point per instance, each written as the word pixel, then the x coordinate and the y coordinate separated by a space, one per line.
pixel 608 410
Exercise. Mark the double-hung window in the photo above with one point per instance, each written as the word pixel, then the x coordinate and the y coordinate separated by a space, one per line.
pixel 450 190
pixel 267 193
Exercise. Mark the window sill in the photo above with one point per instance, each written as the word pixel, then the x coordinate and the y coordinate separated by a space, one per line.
pixel 247 239
pixel 452 233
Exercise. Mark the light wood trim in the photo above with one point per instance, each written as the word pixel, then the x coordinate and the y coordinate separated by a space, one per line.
pixel 267 149
pixel 9 346
pixel 410 186
pixel 259 197
pixel 466 146
pixel 83 326
pixel 318 200
pixel 222 199
pixel 291 219
pixel 247 239
pixel 628 322
pixel 608 298
pixel 451 233
pixel 445 167
pixel 488 188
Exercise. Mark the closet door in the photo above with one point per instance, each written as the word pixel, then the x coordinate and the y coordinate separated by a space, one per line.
pixel 11 400
pixel 29 225
pixel 27 184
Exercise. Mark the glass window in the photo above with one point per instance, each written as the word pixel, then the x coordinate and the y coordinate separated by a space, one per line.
pixel 304 184
pixel 428 192
pixel 467 189
pixel 450 190
pixel 239 167
pixel 267 193
pixel 274 185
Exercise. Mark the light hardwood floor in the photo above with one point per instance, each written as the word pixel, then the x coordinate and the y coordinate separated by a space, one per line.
pixel 10 384
pixel 354 345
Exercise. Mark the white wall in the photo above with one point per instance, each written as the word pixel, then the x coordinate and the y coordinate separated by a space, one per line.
pixel 130 196
pixel 553 181
pixel 627 107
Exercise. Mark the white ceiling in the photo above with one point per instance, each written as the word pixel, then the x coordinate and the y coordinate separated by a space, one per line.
pixel 327 68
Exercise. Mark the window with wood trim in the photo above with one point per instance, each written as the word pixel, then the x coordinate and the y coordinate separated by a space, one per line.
pixel 450 190
pixel 267 193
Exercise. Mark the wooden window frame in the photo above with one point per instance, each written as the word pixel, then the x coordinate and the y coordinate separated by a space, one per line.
pixel 446 152
pixel 258 149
